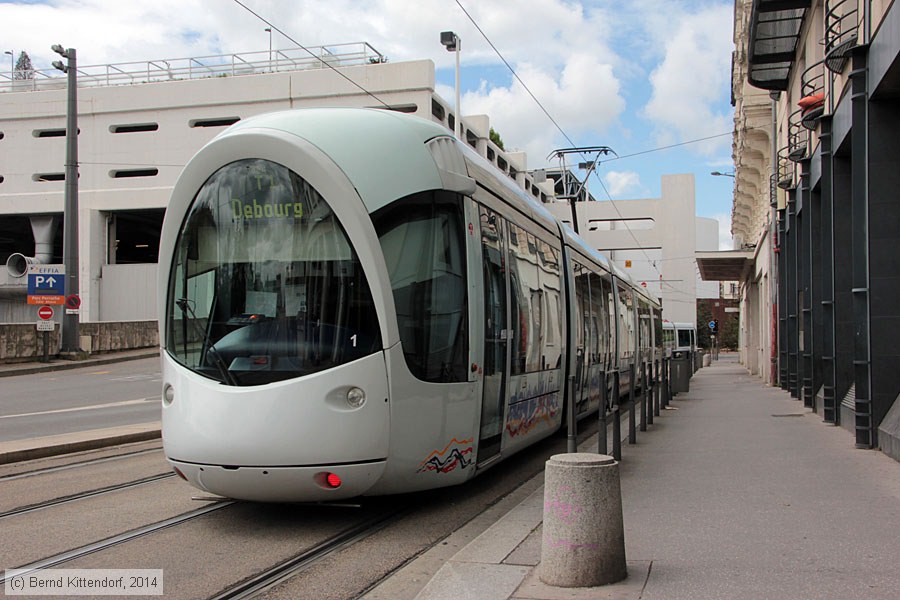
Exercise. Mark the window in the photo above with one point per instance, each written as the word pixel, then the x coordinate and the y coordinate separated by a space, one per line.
pixel 48 133
pixel 48 177
pixel 134 128
pixel 423 240
pixel 124 173
pixel 265 285
pixel 437 110
pixel 220 122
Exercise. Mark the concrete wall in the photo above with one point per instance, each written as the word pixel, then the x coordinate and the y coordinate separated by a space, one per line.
pixel 22 342
pixel 666 229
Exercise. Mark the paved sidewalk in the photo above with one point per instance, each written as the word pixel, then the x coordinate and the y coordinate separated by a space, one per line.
pixel 738 492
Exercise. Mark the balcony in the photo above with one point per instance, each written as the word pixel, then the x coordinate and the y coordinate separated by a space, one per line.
pixel 798 137
pixel 774 34
pixel 812 91
pixel 841 27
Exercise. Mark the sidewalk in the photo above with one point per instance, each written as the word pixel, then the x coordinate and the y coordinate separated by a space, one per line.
pixel 738 492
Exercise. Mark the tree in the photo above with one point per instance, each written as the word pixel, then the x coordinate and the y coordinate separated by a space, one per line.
pixel 24 68
pixel 495 137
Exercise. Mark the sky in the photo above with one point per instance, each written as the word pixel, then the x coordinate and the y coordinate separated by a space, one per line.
pixel 634 75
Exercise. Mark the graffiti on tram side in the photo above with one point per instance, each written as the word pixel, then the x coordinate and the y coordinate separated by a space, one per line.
pixel 455 454
pixel 525 416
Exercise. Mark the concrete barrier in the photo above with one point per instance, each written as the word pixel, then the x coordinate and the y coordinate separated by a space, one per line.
pixel 583 541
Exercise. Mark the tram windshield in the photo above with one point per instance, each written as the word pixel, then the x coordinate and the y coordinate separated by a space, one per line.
pixel 265 285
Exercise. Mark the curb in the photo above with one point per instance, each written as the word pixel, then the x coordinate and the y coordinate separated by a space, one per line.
pixel 64 365
pixel 23 454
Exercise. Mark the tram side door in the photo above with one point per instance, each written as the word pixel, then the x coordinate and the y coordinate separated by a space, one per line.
pixel 496 334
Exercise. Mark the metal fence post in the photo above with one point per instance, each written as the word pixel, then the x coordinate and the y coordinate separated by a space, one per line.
pixel 617 423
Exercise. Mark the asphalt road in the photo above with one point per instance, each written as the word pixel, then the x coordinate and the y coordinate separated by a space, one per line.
pixel 44 404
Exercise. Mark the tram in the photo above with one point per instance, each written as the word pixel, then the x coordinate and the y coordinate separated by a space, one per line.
pixel 352 302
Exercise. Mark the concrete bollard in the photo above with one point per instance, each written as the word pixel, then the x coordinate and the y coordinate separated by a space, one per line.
pixel 584 538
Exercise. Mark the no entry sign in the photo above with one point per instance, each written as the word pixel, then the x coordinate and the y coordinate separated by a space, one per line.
pixel 45 313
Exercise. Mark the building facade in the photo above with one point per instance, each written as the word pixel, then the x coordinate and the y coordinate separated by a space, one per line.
pixel 139 124
pixel 816 87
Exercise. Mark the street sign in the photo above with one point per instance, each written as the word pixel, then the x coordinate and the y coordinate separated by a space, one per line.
pixel 73 302
pixel 46 325
pixel 712 324
pixel 46 284
pixel 45 313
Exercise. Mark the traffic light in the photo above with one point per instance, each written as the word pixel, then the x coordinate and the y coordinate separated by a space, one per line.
pixel 715 327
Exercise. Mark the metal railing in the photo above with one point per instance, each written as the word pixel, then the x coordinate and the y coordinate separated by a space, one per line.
pixel 798 137
pixel 201 67
pixel 812 91
pixel 841 32
pixel 785 175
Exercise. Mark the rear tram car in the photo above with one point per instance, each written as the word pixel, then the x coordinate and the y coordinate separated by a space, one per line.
pixel 354 303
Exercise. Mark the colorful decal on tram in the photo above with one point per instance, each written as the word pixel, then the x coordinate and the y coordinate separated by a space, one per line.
pixel 453 455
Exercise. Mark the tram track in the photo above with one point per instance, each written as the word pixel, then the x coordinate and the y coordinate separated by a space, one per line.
pixel 284 570
pixel 76 553
pixel 76 465
pixel 84 495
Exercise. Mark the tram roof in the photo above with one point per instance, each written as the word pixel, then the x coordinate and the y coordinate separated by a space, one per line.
pixel 383 153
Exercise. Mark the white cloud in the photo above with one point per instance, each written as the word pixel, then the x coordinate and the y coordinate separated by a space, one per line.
pixel 582 59
pixel 691 80
pixel 620 183
pixel 571 98
pixel 725 241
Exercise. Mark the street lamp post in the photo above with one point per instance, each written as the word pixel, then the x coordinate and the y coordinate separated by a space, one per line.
pixel 452 43
pixel 70 323
pixel 12 67
pixel 269 30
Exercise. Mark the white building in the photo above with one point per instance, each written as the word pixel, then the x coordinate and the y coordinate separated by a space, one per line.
pixel 134 140
pixel 654 240
pixel 140 123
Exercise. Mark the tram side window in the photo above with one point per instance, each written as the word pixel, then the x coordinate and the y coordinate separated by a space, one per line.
pixel 549 276
pixel 600 291
pixel 423 240
pixel 626 320
pixel 583 332
pixel 526 302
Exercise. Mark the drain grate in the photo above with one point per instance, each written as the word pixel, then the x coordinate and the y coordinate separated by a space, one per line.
pixel 789 415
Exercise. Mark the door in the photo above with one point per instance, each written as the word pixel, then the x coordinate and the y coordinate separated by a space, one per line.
pixel 496 334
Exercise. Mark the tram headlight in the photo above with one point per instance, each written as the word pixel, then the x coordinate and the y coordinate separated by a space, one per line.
pixel 168 394
pixel 356 397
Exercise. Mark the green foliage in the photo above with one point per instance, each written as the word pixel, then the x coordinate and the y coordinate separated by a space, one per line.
pixel 704 316
pixel 24 69
pixel 495 137
pixel 728 336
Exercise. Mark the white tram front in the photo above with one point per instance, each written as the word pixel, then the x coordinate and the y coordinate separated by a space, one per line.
pixel 323 273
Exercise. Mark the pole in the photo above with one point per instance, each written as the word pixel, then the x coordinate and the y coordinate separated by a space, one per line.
pixel 458 120
pixel 269 29
pixel 70 322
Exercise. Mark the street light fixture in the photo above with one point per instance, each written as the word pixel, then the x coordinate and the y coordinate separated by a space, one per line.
pixel 718 174
pixel 452 43
pixel 70 323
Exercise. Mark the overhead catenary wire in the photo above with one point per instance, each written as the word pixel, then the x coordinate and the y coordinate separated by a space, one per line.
pixel 549 116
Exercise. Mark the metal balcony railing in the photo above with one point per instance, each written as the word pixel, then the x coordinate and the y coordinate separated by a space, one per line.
pixel 841 32
pixel 785 174
pixel 798 137
pixel 201 67
pixel 812 90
